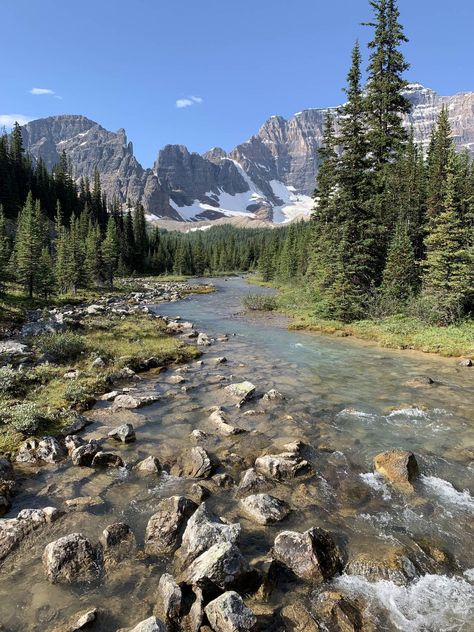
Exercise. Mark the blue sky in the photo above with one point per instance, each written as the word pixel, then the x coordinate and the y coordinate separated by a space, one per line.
pixel 229 64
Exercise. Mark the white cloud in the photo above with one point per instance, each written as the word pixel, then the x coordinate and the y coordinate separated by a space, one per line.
pixel 186 103
pixel 41 91
pixel 7 120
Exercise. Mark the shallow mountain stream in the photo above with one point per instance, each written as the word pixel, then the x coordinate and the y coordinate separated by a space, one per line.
pixel 348 401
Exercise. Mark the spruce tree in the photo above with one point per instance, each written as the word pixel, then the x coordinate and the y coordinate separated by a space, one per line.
pixel 400 277
pixel 45 284
pixel 5 251
pixel 386 103
pixel 110 251
pixel 140 238
pixel 28 244
pixel 448 269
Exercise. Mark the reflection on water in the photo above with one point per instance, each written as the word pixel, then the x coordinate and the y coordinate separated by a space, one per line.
pixel 346 399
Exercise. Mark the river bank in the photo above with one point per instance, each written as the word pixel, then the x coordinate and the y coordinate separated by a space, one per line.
pixel 56 362
pixel 393 332
pixel 168 501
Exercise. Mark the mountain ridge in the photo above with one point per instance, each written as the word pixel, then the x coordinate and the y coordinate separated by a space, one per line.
pixel 269 177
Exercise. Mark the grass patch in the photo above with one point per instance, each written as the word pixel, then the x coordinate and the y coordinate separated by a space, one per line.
pixel 260 302
pixel 48 397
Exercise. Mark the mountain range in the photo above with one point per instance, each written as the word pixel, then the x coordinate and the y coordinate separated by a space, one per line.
pixel 269 177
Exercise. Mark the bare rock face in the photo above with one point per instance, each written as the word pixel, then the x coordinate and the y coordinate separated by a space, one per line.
pixel 170 599
pixel 165 528
pixel 265 509
pixel 204 529
pixel 312 555
pixel 399 467
pixel 228 613
pixel 71 559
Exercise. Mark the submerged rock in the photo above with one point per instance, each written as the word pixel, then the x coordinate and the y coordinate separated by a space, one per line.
pixel 282 466
pixel 84 454
pixel 118 543
pixel 203 340
pixel 400 467
pixel 242 391
pixel 392 565
pixel 299 618
pixel 272 395
pixel 228 613
pixel 265 509
pixel 70 559
pixel 194 463
pixel 165 528
pixel 14 530
pixel 312 555
pixel 219 419
pixel 337 612
pixel 124 433
pixel 79 621
pixel 107 459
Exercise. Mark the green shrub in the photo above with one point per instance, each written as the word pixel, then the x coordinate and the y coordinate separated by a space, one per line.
pixel 9 379
pixel 75 393
pixel 25 417
pixel 260 302
pixel 63 347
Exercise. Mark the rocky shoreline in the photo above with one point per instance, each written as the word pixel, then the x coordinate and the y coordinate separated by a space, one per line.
pixel 204 576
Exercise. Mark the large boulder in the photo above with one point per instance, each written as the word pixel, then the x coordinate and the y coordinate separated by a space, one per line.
pixel 264 509
pixel 228 613
pixel 107 459
pixel 71 559
pixel 124 433
pixel 337 612
pixel 220 567
pixel 204 529
pixel 165 528
pixel 282 466
pixel 400 467
pixel 170 599
pixel 391 564
pixel 312 555
pixel 194 463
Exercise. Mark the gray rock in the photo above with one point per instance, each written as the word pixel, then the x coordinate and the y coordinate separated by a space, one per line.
pixel 109 397
pixel 79 621
pixel 152 624
pixel 98 363
pixel 84 454
pixel 400 467
pixel 203 340
pixel 466 363
pixel 127 401
pixel 194 463
pixel 14 530
pixel 251 482
pixel 150 465
pixel 228 613
pixel 72 442
pixel 264 509
pixel 282 466
pixel 118 543
pixel 124 433
pixel 219 419
pixel 312 555
pixel 70 559
pixel 165 528
pixel 222 566
pixel 107 459
pixel 170 598
pixel 242 391
pixel 6 470
pixel 272 395
pixel 46 450
pixel 204 529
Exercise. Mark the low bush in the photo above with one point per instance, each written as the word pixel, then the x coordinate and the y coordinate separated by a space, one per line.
pixel 25 417
pixel 260 302
pixel 75 393
pixel 62 347
pixel 9 379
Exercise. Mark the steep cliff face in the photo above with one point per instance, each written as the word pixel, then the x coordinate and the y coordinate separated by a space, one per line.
pixel 271 176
